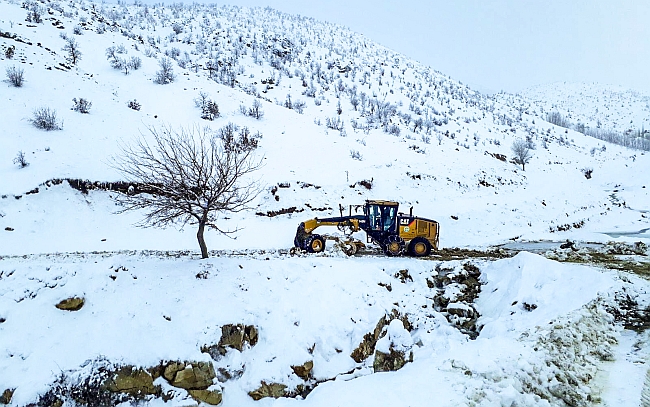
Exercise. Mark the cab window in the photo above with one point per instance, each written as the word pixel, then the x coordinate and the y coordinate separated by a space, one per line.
pixel 389 218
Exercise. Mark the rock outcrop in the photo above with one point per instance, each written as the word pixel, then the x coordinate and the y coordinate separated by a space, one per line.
pixel 212 397
pixel 304 371
pixel 393 350
pixel 190 375
pixel 233 336
pixel 71 304
pixel 367 345
pixel 6 396
pixel 275 390
pixel 391 361
pixel 456 290
pixel 132 381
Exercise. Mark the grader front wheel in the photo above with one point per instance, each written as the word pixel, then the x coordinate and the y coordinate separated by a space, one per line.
pixel 394 246
pixel 315 244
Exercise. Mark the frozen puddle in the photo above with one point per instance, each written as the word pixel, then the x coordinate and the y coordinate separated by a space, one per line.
pixel 624 379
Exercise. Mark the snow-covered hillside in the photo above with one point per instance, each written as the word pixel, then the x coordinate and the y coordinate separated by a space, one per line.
pixel 596 106
pixel 606 112
pixel 343 120
pixel 422 138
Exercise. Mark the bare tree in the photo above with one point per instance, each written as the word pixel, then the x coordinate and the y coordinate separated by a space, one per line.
pixel 189 176
pixel 72 48
pixel 522 154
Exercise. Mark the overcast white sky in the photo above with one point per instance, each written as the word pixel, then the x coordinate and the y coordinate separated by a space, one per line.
pixel 508 45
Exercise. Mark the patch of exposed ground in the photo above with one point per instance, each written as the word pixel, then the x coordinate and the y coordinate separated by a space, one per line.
pixel 632 258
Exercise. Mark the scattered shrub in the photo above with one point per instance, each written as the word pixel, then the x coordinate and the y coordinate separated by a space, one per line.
pixel 34 14
pixel 77 30
pixel 394 130
pixel 201 100
pixel 15 76
pixel 334 123
pixel 166 73
pixel 81 105
pixel 299 106
pixel 133 104
pixel 210 111
pixel 254 111
pixel 177 28
pixel 287 103
pixel 587 172
pixel 149 52
pixel 9 52
pixel 173 53
pixel 45 119
pixel 238 140
pixel 120 64
pixel 21 160
pixel 530 143
pixel 356 155
pixel 135 63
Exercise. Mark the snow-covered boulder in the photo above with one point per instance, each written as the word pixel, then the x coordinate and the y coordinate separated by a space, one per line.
pixel 393 351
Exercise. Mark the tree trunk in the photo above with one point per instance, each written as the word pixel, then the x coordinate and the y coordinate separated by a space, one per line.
pixel 199 237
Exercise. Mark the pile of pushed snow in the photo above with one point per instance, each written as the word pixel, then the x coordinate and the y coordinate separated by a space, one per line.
pixel 529 290
pixel 546 331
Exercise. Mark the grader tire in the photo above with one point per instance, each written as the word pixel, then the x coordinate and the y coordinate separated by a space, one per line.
pixel 394 246
pixel 419 247
pixel 315 244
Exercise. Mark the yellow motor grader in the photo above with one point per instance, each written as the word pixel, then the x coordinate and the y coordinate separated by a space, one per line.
pixel 395 232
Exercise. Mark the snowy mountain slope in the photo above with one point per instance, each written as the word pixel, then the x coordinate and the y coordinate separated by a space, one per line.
pixel 594 105
pixel 603 111
pixel 493 200
pixel 454 166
